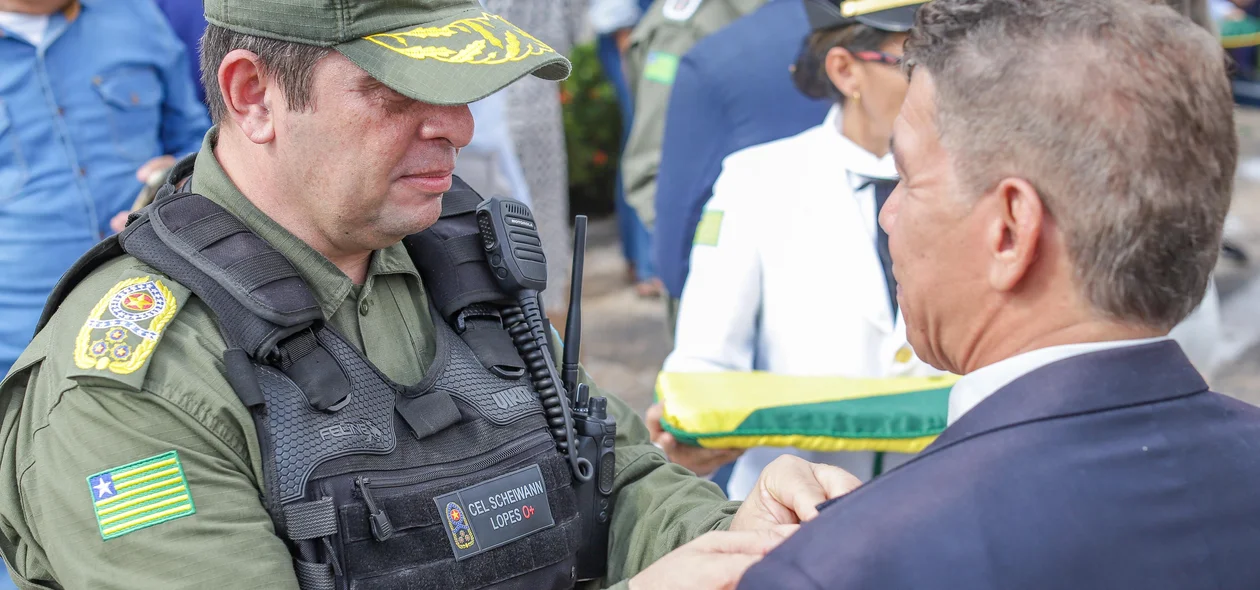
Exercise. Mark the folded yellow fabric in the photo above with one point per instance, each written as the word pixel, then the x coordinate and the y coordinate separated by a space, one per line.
pixel 733 410
pixel 1244 32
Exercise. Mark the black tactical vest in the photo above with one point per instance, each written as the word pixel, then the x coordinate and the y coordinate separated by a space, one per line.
pixel 453 482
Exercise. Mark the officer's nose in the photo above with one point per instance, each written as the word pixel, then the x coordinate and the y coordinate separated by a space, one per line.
pixel 453 123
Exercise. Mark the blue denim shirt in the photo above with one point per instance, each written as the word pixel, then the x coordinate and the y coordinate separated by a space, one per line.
pixel 105 92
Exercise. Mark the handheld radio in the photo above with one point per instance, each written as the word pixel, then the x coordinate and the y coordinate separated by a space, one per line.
pixel 583 430
pixel 596 430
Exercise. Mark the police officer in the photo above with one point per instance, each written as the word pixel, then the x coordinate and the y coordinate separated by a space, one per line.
pixel 257 384
pixel 668 30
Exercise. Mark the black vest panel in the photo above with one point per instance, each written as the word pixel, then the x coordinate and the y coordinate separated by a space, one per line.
pixel 355 462
pixel 367 449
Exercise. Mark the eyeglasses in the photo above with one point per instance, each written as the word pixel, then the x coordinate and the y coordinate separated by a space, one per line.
pixel 879 57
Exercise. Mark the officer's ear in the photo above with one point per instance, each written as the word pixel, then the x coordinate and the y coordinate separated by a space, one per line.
pixel 841 69
pixel 249 95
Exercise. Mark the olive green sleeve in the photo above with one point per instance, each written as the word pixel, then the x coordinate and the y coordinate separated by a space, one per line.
pixel 226 541
pixel 658 506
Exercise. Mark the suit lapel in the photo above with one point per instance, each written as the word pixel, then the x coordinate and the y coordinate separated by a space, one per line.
pixel 1089 383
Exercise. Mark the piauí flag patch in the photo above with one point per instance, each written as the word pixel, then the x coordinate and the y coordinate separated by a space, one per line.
pixel 139 495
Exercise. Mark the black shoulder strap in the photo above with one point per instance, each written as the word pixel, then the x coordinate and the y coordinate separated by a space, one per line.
pixel 451 258
pixel 254 290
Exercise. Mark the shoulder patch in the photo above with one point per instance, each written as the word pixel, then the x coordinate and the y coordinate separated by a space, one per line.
pixel 709 228
pixel 680 10
pixel 138 495
pixel 123 329
pixel 661 67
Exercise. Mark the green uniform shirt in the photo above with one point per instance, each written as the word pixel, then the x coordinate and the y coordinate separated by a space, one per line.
pixel 658 42
pixel 95 412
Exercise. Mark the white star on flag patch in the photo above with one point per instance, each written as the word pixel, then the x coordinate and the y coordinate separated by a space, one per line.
pixel 141 494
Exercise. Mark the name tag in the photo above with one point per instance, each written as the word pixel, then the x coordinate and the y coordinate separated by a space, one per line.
pixel 495 512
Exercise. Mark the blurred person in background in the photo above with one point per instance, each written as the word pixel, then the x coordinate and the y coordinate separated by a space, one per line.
pixel 188 19
pixel 537 127
pixel 733 90
pixel 95 95
pixel 667 31
pixel 613 21
pixel 489 163
pixel 790 272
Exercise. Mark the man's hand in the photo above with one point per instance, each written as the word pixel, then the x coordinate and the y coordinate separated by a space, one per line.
pixel 118 222
pixel 699 460
pixel 157 164
pixel 715 560
pixel 789 492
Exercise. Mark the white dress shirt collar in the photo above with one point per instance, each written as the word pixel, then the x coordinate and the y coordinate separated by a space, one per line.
pixel 851 156
pixel 977 385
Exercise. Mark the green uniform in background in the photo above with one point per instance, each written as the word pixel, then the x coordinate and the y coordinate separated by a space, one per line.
pixel 660 40
pixel 86 403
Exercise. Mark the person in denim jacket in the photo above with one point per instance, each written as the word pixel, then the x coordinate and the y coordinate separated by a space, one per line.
pixel 94 97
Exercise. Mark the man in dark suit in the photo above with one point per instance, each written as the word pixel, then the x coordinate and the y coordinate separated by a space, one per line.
pixel 1066 168
pixel 732 90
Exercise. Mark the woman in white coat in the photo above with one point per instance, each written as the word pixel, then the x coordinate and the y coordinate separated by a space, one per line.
pixel 786 274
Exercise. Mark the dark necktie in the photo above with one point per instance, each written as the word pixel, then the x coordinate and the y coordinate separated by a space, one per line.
pixel 883 188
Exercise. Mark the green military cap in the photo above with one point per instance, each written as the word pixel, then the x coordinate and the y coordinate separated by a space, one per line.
pixel 436 51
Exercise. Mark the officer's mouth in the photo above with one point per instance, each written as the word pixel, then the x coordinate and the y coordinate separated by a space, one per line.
pixel 438 181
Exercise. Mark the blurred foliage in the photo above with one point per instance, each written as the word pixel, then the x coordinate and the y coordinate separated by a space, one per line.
pixel 592 128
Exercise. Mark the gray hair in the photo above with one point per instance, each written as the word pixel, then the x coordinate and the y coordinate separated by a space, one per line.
pixel 1119 112
pixel 291 64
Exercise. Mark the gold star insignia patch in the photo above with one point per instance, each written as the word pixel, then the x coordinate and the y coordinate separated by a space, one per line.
pixel 123 329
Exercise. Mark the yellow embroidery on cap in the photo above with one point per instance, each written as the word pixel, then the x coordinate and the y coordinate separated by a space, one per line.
pixel 485 40
pixel 123 329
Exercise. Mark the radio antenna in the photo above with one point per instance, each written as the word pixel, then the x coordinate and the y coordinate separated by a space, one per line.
pixel 573 325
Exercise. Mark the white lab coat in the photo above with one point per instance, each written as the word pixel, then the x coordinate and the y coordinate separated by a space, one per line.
pixel 794 284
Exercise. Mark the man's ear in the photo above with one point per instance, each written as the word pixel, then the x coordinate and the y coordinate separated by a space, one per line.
pixel 841 70
pixel 247 95
pixel 1014 236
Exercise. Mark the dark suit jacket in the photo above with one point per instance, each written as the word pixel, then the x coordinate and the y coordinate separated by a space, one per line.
pixel 1111 470
pixel 732 90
